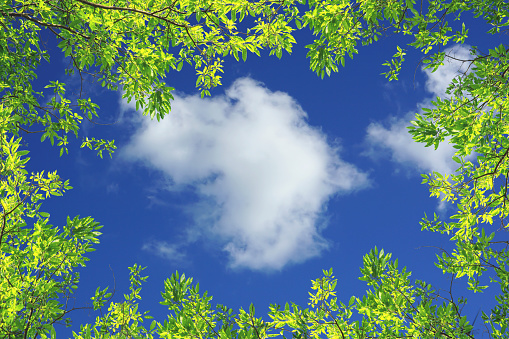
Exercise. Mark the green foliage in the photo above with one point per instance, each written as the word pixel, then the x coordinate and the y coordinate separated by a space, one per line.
pixel 122 320
pixel 473 120
pixel 133 45
pixel 37 259
pixel 391 308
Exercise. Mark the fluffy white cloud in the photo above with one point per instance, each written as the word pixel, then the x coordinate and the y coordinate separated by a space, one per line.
pixel 396 139
pixel 262 173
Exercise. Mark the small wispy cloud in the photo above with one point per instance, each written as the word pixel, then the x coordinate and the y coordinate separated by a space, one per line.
pixel 112 188
pixel 263 175
pixel 173 253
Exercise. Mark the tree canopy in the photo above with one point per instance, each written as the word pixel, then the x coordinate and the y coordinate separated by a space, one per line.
pixel 134 46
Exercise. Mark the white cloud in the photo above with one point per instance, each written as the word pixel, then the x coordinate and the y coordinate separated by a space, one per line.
pixel 264 174
pixel 396 139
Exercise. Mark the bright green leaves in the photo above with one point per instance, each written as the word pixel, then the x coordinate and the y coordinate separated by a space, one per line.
pixel 88 108
pixel 191 313
pixel 130 45
pixel 250 326
pixel 137 44
pixel 37 259
pixel 100 298
pixel 54 121
pixel 84 229
pixel 473 119
pixel 393 307
pixel 123 319
pixel 99 145
pixel 176 290
pixel 159 100
pixel 395 64
pixel 340 25
pixel 338 28
pixel 375 262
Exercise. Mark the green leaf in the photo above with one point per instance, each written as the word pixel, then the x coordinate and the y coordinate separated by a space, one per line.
pixel 68 51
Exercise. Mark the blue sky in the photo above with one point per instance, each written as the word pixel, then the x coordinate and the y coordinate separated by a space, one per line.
pixel 256 189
